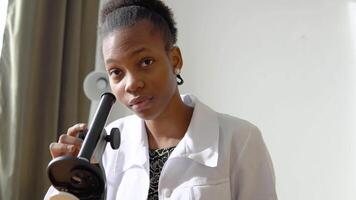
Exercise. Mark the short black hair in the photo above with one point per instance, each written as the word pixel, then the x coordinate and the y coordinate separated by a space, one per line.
pixel 116 14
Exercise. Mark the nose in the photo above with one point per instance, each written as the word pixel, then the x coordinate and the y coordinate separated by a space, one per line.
pixel 134 83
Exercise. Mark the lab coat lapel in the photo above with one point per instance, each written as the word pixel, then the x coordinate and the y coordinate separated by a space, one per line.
pixel 133 162
pixel 201 141
pixel 135 145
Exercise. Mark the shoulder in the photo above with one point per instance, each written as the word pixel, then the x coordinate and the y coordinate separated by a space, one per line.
pixel 251 168
pixel 240 136
pixel 237 127
pixel 234 132
pixel 229 126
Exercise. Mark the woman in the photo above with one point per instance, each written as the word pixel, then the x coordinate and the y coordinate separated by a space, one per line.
pixel 174 147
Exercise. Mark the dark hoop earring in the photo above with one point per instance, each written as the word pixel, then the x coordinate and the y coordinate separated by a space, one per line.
pixel 180 80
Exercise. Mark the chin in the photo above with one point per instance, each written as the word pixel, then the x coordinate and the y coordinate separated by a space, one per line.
pixel 146 115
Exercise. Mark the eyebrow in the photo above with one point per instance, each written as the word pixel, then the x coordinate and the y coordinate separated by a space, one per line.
pixel 138 51
pixel 133 53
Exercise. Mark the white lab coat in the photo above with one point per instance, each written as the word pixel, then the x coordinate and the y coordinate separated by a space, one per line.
pixel 220 157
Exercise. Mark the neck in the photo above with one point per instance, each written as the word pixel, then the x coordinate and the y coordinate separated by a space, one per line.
pixel 169 128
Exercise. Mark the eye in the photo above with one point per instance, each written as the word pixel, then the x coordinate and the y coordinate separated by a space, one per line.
pixel 115 73
pixel 146 62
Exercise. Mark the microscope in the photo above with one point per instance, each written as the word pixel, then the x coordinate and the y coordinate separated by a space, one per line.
pixel 83 177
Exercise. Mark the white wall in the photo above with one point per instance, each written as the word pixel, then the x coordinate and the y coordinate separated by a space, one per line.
pixel 288 67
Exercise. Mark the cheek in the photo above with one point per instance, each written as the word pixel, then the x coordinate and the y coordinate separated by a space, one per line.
pixel 166 86
pixel 171 79
pixel 163 82
pixel 118 90
pixel 167 78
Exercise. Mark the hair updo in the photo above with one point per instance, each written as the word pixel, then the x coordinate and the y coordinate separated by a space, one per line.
pixel 117 14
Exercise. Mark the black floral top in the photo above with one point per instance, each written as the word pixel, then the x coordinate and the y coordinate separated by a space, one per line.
pixel 157 159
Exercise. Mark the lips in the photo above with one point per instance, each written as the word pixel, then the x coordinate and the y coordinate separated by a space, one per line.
pixel 140 103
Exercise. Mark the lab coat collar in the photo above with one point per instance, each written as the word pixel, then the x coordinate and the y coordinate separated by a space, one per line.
pixel 200 143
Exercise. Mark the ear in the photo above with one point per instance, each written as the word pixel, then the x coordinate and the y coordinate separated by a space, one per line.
pixel 176 58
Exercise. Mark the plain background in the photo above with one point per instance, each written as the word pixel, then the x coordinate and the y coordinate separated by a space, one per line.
pixel 288 67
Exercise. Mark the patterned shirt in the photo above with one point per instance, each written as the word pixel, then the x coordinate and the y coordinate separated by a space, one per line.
pixel 157 159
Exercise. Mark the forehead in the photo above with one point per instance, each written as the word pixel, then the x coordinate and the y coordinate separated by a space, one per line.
pixel 141 35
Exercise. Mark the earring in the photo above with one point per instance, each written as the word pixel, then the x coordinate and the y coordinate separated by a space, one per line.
pixel 177 71
pixel 180 80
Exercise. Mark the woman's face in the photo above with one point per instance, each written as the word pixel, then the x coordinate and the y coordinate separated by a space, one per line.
pixel 141 71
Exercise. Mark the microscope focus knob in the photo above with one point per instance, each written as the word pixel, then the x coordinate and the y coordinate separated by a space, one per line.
pixel 114 138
